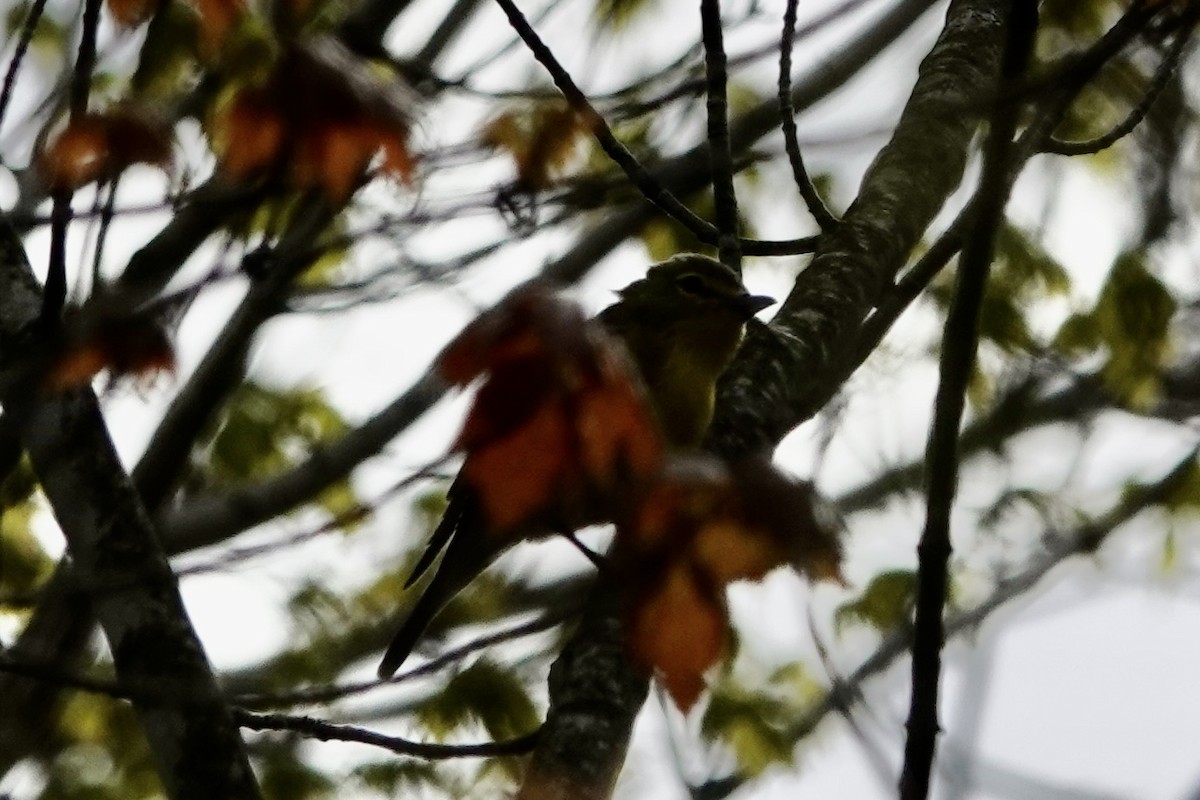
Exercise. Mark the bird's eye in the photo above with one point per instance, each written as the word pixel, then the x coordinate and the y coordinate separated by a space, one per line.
pixel 692 284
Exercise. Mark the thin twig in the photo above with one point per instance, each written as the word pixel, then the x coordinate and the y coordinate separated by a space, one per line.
pixel 327 731
pixel 716 80
pixel 55 292
pixel 787 120
pixel 959 344
pixel 638 175
pixel 326 694
pixel 28 27
pixel 1162 77
pixel 106 212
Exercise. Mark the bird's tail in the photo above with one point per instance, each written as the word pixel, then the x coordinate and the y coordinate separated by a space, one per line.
pixel 468 552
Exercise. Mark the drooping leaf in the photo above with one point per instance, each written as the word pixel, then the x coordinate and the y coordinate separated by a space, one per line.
pixel 886 603
pixel 750 723
pixel 696 528
pixel 560 420
pixel 124 344
pixel 312 124
pixel 99 146
pixel 541 137
pixel 483 693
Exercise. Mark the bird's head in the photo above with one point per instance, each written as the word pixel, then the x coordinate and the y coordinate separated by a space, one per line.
pixel 693 287
pixel 682 324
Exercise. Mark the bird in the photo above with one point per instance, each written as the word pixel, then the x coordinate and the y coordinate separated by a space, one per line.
pixel 682 325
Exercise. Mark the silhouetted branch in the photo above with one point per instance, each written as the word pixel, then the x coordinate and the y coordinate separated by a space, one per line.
pixel 724 196
pixel 652 189
pixel 959 343
pixel 24 37
pixel 1135 116
pixel 787 118
pixel 327 731
pixel 119 563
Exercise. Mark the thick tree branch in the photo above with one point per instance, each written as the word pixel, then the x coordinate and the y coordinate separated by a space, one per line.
pixel 595 692
pixel 195 743
pixel 773 385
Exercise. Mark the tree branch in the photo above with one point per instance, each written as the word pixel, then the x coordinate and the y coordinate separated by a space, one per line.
pixel 328 731
pixel 724 196
pixel 776 381
pixel 787 116
pixel 959 343
pixel 194 741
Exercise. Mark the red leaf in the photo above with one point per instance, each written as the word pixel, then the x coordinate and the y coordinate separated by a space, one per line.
pixel 678 631
pixel 519 474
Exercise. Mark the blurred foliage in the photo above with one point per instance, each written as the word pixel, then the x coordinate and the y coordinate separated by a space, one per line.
pixel 194 63
pixel 613 16
pixel 886 603
pixel 264 431
pixel 399 777
pixel 753 722
pixel 104 755
pixel 485 693
pixel 1129 324
pixel 283 773
pixel 24 563
pixel 664 237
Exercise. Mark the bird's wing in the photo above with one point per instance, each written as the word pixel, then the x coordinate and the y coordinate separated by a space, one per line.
pixel 468 551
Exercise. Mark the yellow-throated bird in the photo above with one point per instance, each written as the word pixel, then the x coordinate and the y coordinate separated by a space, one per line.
pixel 682 324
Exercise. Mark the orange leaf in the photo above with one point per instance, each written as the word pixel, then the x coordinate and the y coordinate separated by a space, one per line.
pixel 100 145
pixel 131 13
pixel 217 18
pixel 344 151
pixel 125 346
pixel 729 551
pixel 511 395
pixel 250 132
pixel 137 138
pixel 519 474
pixel 617 433
pixel 678 630
pixel 78 155
pixel 398 160
pixel 803 527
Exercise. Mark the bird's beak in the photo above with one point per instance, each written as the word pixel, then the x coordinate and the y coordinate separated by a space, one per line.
pixel 751 304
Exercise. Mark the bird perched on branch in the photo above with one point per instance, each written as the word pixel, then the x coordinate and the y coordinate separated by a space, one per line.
pixel 681 325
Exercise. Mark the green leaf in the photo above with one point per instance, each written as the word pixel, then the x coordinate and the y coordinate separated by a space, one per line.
pixel 886 603
pixel 1079 334
pixel 391 777
pixel 167 61
pixel 264 431
pixel 751 723
pixel 1023 269
pixel 612 16
pixel 484 692
pixel 284 775
pixel 1001 321
pixel 1134 314
pixel 1184 494
pixel 25 564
